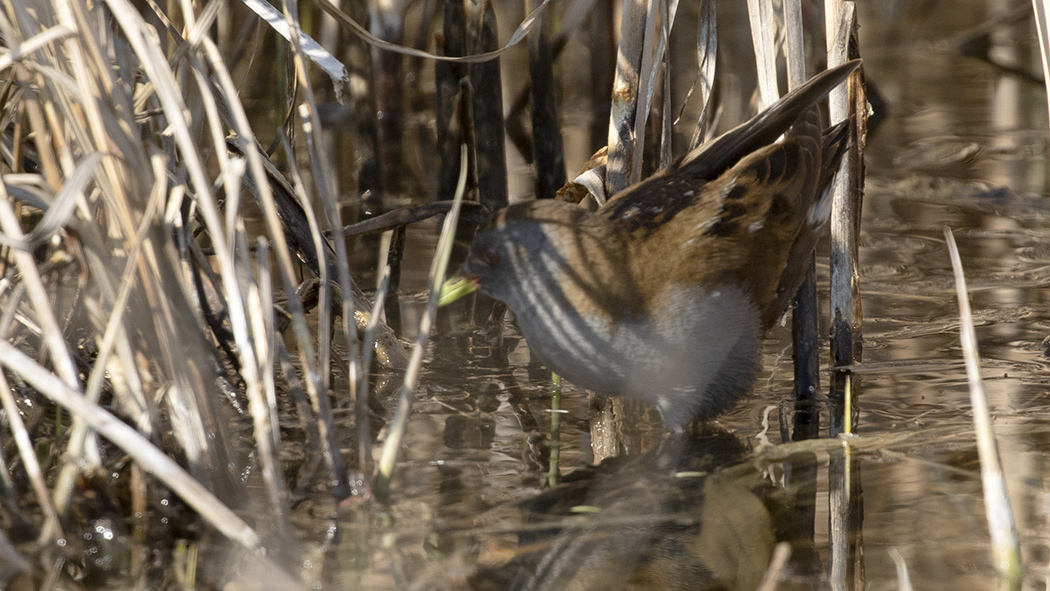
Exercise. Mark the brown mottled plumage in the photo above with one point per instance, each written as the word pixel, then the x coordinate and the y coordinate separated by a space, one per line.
pixel 665 292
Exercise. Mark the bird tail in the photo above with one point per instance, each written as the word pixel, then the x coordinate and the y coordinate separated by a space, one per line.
pixel 716 156
pixel 834 142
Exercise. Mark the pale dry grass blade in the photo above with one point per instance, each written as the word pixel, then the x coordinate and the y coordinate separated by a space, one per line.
pixel 364 437
pixel 1001 523
pixel 903 578
pixel 51 529
pixel 262 396
pixel 58 212
pixel 34 43
pixel 51 333
pixel 516 37
pixel 795 49
pixel 311 48
pixel 707 58
pixel 763 30
pixel 325 186
pixel 658 23
pixel 781 554
pixel 1042 25
pixel 398 424
pixel 133 444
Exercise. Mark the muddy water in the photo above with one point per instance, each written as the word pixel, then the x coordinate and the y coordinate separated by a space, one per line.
pixel 963 145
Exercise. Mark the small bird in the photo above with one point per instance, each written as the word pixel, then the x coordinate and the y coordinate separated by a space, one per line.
pixel 665 292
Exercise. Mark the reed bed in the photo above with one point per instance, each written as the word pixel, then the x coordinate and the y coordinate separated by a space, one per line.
pixel 176 294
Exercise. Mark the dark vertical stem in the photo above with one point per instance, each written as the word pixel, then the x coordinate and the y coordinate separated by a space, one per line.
pixel 546 131
pixel 394 256
pixel 387 24
pixel 801 469
pixel 603 68
pixel 363 149
pixel 485 78
pixel 422 37
pixel 447 76
pixel 516 132
pixel 806 343
pixel 799 524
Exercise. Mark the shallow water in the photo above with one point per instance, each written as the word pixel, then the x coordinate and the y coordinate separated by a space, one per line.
pixel 963 146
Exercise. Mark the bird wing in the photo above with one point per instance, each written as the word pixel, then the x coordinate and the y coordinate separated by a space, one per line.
pixel 715 156
pixel 738 228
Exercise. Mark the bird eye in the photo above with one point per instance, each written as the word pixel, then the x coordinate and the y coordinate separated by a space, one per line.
pixel 489 255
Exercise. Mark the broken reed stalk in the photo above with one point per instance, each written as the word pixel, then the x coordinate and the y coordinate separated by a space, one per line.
pixel 392 445
pixel 658 21
pixel 846 102
pixel 1006 551
pixel 795 46
pixel 844 494
pixel 621 170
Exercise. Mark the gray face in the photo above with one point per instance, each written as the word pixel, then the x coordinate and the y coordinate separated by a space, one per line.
pixel 486 260
pixel 507 258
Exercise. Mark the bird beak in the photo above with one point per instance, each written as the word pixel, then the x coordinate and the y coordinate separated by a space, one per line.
pixel 456 287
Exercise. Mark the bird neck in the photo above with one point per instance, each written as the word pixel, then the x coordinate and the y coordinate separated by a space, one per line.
pixel 602 276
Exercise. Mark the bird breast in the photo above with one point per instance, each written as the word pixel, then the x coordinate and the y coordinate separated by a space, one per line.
pixel 691 356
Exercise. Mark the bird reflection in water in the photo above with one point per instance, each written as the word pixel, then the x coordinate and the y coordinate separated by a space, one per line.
pixel 697 512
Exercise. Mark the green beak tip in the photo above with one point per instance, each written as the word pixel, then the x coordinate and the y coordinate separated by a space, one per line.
pixel 455 288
